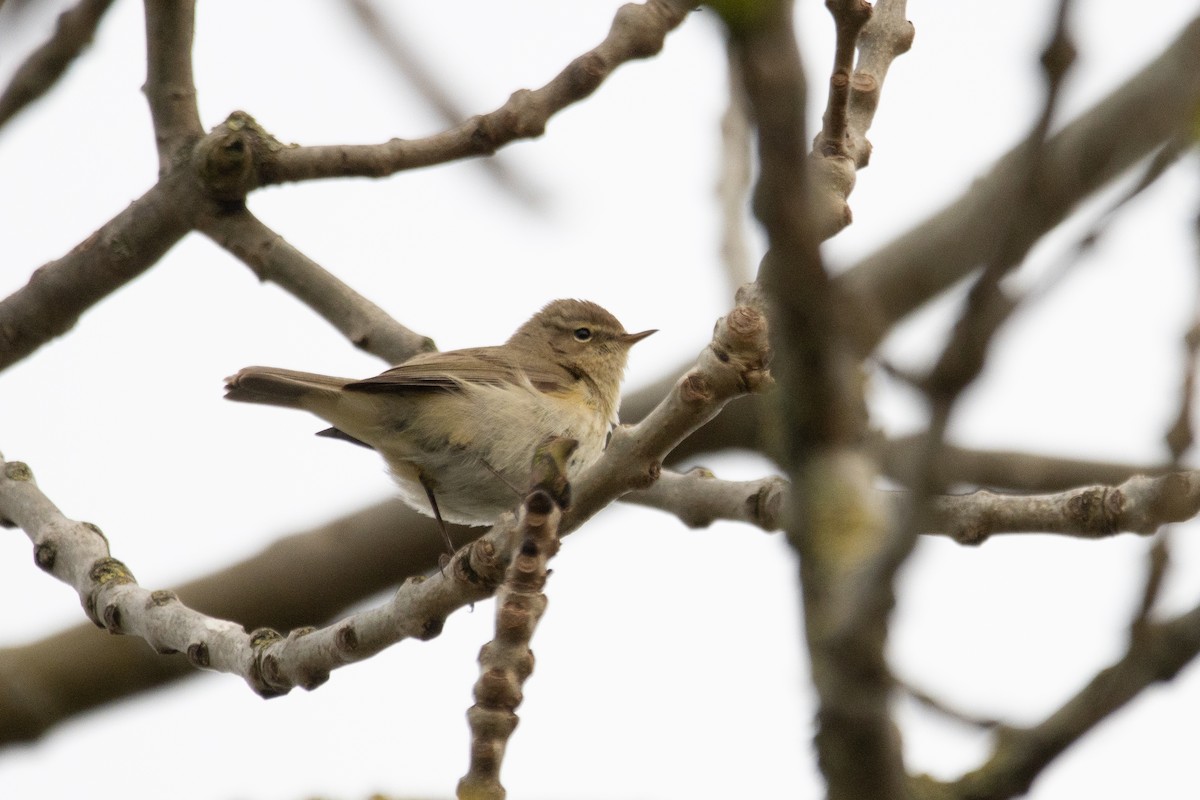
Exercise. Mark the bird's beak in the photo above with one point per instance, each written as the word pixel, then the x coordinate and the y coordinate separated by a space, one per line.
pixel 634 338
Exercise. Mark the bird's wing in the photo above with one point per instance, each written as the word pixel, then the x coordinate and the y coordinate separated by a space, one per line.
pixel 452 370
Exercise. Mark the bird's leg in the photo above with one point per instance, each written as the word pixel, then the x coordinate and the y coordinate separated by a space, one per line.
pixel 438 516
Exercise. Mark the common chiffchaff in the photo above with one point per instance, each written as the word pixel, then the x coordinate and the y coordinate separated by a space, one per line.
pixel 458 429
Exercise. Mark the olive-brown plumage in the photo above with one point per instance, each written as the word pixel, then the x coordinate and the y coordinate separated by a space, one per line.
pixel 460 427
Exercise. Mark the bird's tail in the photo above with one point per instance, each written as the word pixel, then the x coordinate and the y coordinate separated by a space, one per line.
pixel 282 387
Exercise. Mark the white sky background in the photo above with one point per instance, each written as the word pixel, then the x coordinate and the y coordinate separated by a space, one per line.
pixel 669 663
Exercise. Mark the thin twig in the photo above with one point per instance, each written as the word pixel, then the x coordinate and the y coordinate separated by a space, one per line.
pixel 987 308
pixel 125 247
pixel 637 31
pixel 1157 654
pixel 849 17
pixel 44 66
pixel 1011 471
pixel 506 662
pixel 886 36
pixel 946 709
pixel 733 182
pixel 419 76
pixel 1162 160
pixel 1081 158
pixel 273 259
pixel 170 88
pixel 841 148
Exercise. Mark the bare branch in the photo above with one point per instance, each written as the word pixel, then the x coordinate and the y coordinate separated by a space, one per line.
pixel 841 148
pixel 886 35
pixel 1009 470
pixel 836 520
pixel 360 555
pixel 128 245
pixel 637 32
pixel 945 709
pixel 342 563
pixel 420 77
pixel 1139 505
pixel 1158 164
pixel 1158 559
pixel 849 17
pixel 733 182
pixel 365 324
pixel 1079 159
pixel 987 306
pixel 506 662
pixel 1181 436
pixel 170 88
pixel 739 426
pixel 77 553
pixel 125 247
pixel 1157 654
pixel 698 498
pixel 986 310
pixel 205 192
pixel 38 74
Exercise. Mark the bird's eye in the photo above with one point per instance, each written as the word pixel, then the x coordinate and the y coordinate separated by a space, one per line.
pixel 583 334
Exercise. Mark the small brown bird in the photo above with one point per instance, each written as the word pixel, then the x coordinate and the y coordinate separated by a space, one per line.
pixel 458 429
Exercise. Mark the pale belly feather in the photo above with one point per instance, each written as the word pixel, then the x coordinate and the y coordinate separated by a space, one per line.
pixel 481 469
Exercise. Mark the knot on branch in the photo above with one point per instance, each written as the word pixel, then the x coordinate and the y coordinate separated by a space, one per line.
pixel 887 33
pixel 265 676
pixel 1099 509
pixel 834 174
pixel 630 26
pixel 346 639
pixel 198 655
pixel 863 83
pixel 740 342
pixel 479 564
pixel 112 619
pixel 105 572
pixel 585 74
pixel 161 597
pixel 694 389
pixel 227 160
pixel 18 471
pixel 431 628
pixel 110 570
pixel 1175 500
pixel 766 505
pixel 647 477
pixel 44 555
pixel 523 117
